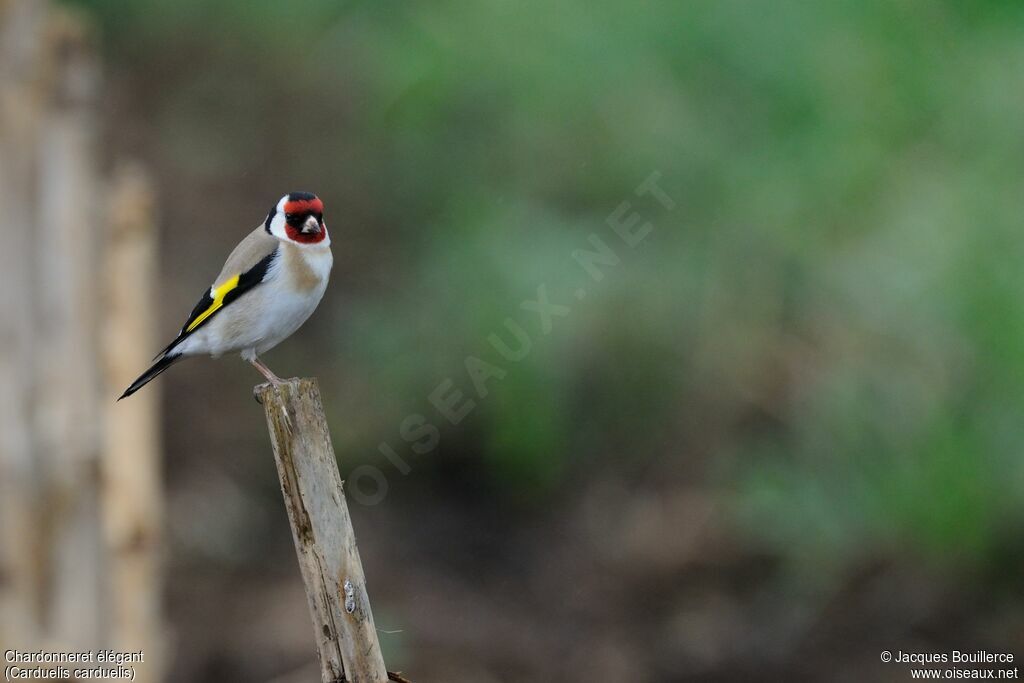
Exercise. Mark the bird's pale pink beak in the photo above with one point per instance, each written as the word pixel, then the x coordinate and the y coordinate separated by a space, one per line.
pixel 311 226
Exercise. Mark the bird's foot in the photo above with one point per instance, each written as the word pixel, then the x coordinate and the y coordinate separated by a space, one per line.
pixel 286 419
pixel 276 383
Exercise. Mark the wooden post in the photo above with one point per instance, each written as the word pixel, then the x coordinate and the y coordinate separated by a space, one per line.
pixel 21 95
pixel 67 397
pixel 72 472
pixel 132 492
pixel 51 573
pixel 324 541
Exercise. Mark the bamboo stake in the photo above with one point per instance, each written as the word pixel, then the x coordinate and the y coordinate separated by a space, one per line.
pixel 324 540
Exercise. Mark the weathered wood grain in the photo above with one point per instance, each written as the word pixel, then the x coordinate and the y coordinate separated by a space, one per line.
pixel 324 540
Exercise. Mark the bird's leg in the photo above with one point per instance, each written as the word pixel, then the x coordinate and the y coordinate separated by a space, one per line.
pixel 266 372
pixel 275 382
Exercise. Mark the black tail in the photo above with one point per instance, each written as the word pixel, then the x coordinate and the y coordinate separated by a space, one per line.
pixel 157 367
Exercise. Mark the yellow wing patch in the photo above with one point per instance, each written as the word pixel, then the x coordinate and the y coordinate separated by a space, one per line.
pixel 218 300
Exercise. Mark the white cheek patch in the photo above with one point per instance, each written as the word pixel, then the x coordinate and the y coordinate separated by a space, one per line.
pixel 277 223
pixel 277 227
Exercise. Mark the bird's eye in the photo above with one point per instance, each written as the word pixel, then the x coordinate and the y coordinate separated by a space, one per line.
pixel 290 217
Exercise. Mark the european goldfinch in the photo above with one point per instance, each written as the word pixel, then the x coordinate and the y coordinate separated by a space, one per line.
pixel 270 284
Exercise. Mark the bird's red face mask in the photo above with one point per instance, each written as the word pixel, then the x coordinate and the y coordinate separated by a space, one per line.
pixel 304 220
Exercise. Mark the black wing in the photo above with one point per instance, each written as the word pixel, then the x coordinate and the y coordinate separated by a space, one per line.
pixel 216 298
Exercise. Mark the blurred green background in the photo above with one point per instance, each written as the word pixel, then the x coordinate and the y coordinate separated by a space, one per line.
pixel 780 436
